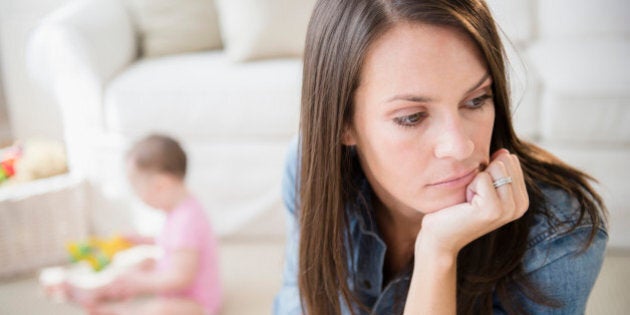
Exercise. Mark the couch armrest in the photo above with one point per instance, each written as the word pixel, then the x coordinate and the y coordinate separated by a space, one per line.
pixel 73 53
pixel 95 36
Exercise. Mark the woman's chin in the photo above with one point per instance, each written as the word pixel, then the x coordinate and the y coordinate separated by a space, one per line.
pixel 437 203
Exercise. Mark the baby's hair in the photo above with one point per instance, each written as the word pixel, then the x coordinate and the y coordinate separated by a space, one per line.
pixel 159 153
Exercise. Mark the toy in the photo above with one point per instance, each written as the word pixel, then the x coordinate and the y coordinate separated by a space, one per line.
pixel 97 252
pixel 40 159
pixel 31 160
pixel 8 158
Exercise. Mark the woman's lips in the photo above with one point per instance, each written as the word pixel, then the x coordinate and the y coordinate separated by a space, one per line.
pixel 457 180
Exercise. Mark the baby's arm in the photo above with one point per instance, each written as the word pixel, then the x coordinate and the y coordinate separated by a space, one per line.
pixel 137 239
pixel 184 264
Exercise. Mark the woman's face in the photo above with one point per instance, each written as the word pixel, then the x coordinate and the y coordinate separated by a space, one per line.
pixel 423 117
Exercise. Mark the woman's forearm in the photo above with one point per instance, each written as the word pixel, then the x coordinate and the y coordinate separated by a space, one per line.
pixel 433 285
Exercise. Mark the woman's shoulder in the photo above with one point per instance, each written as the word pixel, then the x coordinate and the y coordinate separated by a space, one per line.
pixel 561 228
pixel 562 213
pixel 558 212
pixel 290 178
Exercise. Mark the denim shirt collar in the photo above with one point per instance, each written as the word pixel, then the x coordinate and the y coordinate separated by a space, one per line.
pixel 368 257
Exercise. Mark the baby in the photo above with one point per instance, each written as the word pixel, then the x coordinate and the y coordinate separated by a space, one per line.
pixel 185 279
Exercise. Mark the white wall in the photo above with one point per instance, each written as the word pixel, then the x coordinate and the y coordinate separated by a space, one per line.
pixel 32 113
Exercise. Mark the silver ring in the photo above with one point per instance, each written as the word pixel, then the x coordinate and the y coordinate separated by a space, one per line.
pixel 502 181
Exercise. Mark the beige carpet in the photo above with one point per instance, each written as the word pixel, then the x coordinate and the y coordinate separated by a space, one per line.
pixel 251 275
pixel 611 295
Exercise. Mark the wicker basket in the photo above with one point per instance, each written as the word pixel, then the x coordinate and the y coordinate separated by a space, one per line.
pixel 37 219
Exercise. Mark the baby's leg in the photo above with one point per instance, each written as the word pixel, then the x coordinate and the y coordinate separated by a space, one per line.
pixel 172 306
pixel 85 297
pixel 154 306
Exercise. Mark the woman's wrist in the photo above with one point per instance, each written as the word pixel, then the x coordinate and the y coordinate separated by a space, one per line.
pixel 439 254
pixel 433 283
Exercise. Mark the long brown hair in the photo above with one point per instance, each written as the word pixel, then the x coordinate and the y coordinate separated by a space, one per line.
pixel 339 35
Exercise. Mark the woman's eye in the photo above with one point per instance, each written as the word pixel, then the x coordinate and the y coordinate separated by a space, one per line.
pixel 410 120
pixel 478 101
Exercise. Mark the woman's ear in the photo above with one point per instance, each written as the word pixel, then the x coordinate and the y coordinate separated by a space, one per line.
pixel 348 138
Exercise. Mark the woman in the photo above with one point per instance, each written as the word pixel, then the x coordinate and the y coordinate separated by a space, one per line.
pixel 409 191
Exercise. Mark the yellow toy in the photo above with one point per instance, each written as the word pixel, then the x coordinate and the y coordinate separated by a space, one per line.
pixel 97 252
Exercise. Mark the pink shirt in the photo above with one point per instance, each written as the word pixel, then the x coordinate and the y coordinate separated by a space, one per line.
pixel 187 227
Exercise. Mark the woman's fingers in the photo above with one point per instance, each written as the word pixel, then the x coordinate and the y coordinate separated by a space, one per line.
pixel 486 201
pixel 499 171
pixel 506 181
pixel 521 200
pixel 521 196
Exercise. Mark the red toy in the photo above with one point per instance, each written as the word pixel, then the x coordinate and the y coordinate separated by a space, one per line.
pixel 8 158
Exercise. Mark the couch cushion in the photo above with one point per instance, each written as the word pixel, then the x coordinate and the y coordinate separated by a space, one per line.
pixel 579 18
pixel 171 27
pixel 256 29
pixel 586 96
pixel 204 95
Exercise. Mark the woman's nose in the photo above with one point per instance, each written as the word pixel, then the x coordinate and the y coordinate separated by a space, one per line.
pixel 453 141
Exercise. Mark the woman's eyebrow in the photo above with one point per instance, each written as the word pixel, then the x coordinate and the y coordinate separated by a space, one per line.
pixel 478 84
pixel 426 99
pixel 410 98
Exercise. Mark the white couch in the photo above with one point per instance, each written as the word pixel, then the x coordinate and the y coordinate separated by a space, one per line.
pixel 571 82
pixel 234 118
pixel 570 78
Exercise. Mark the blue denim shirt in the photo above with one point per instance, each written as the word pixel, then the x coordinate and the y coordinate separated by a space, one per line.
pixel 553 259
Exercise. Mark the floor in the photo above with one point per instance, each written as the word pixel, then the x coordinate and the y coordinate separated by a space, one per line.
pixel 251 276
pixel 610 295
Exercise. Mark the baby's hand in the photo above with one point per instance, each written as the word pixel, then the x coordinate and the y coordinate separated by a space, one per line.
pixel 122 288
pixel 146 264
pixel 83 296
pixel 137 239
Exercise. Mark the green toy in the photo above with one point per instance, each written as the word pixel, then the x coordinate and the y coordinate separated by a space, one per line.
pixel 97 252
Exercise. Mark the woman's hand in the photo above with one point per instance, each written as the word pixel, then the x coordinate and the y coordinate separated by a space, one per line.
pixel 444 233
pixel 486 209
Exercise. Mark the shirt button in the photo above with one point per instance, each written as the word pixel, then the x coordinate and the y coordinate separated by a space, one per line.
pixel 367 284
